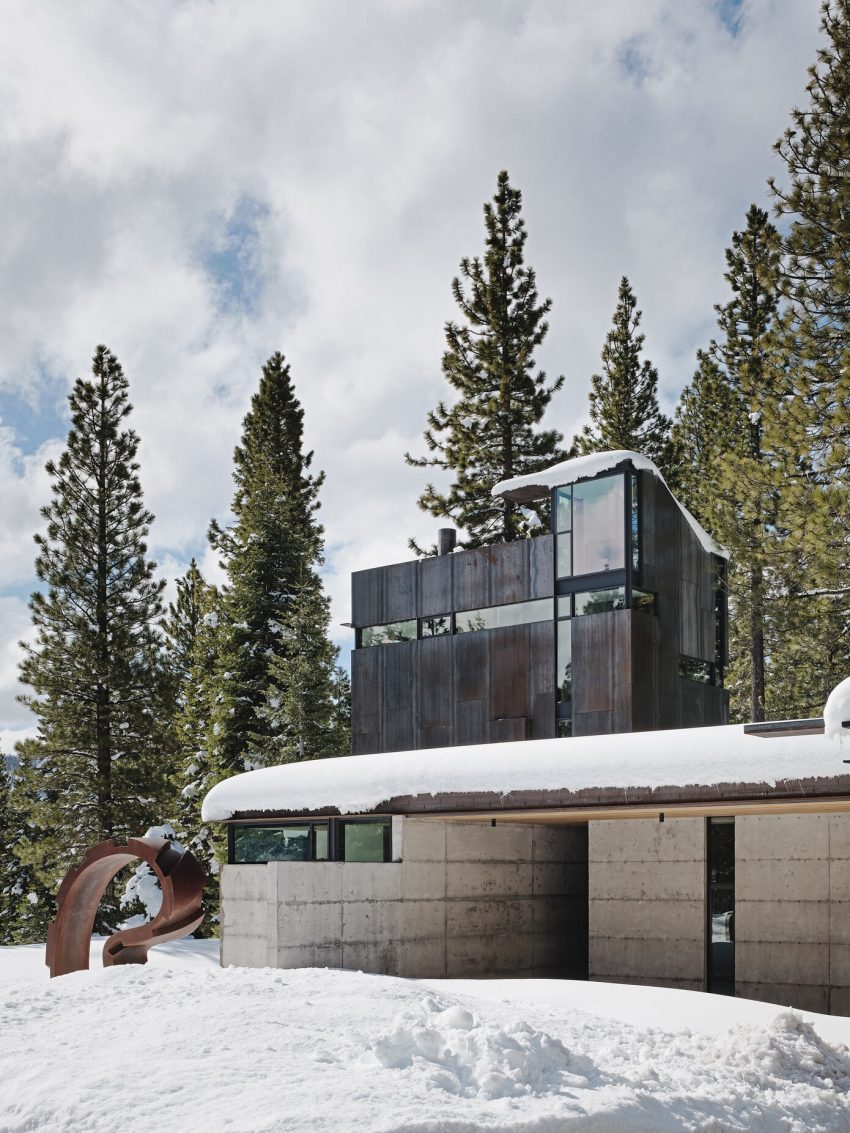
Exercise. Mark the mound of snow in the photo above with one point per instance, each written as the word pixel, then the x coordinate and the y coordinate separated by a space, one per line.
pixel 836 711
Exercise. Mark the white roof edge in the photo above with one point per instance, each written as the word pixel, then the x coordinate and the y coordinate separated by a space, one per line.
pixel 682 757
pixel 595 463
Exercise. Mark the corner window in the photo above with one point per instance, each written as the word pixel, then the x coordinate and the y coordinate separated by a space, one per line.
pixel 590 532
pixel 600 601
pixel 694 669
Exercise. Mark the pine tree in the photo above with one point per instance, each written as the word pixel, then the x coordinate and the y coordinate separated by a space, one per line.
pixel 8 862
pixel 302 710
pixel 98 767
pixel 183 621
pixel 270 552
pixel 488 433
pixel 624 410
pixel 813 418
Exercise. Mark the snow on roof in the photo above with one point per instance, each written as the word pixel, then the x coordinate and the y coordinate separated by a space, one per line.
pixel 537 484
pixel 683 758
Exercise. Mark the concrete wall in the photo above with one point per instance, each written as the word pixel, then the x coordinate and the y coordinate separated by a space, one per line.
pixel 647 902
pixel 466 899
pixel 792 910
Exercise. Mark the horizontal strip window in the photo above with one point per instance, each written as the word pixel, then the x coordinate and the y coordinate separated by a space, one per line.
pixel 694 669
pixel 438 625
pixel 603 601
pixel 334 839
pixel 498 617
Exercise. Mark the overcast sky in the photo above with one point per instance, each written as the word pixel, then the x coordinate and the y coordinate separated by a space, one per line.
pixel 198 184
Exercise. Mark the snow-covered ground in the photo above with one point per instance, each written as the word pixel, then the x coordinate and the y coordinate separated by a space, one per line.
pixel 184 1045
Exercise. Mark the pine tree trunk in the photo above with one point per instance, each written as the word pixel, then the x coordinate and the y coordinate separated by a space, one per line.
pixel 757 643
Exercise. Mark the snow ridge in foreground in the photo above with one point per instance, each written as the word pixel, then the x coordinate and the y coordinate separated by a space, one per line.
pixel 270 1051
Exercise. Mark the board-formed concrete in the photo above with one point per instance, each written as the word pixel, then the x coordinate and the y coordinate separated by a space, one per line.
pixel 792 910
pixel 646 902
pixel 465 899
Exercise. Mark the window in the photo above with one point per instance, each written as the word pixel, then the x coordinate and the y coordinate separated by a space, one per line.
pixel 350 840
pixel 496 617
pixel 600 601
pixel 635 521
pixel 365 841
pixel 693 669
pixel 387 634
pixel 564 662
pixel 643 600
pixel 435 626
pixel 289 843
pixel 721 905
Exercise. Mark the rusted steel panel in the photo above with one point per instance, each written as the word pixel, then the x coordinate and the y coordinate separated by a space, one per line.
pixel 471 666
pixel 434 686
pixel 435 585
pixel 510 572
pixel 367 607
pixel 541 570
pixel 473 572
pixel 470 722
pixel 399 583
pixel 182 881
pixel 510 666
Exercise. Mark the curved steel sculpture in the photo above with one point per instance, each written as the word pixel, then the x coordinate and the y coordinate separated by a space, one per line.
pixel 182 881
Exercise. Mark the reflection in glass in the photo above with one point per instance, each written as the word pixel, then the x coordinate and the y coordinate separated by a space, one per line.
pixel 600 601
pixel 643 600
pixel 563 508
pixel 512 614
pixel 565 554
pixel 565 727
pixel 321 836
pixel 693 669
pixel 598 525
pixel 363 841
pixel 271 844
pixel 387 634
pixel 435 626
pixel 564 670
pixel 721 905
pixel 635 523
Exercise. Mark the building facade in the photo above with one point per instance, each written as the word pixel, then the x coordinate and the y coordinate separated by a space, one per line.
pixel 614 622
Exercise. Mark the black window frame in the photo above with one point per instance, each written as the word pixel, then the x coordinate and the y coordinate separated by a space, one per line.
pixel 335 836
pixel 719 982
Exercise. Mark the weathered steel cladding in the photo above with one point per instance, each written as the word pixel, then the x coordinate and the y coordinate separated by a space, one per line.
pixel 491 685
pixel 498 684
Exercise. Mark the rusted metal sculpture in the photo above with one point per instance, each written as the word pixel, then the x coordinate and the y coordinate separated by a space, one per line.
pixel 182 881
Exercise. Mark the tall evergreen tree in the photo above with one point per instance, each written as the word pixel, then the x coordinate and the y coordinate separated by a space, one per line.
pixel 624 412
pixel 7 860
pixel 305 709
pixel 813 417
pixel 271 552
pixel 99 764
pixel 488 432
pixel 28 900
pixel 183 622
pixel 728 472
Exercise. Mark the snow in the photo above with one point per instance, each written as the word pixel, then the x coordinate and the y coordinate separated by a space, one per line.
pixel 683 758
pixel 143 885
pixel 535 484
pixel 836 711
pixel 268 1051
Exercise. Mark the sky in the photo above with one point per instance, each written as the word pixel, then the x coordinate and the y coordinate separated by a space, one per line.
pixel 199 183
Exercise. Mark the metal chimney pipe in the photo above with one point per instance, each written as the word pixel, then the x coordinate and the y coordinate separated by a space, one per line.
pixel 446 540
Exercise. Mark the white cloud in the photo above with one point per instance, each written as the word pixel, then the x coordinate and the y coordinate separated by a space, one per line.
pixel 368 135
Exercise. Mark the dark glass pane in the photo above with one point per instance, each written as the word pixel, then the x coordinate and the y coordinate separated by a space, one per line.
pixel 721 851
pixel 643 600
pixel 435 626
pixel 565 728
pixel 512 614
pixel 386 635
pixel 565 555
pixel 693 669
pixel 600 601
pixel 564 671
pixel 563 509
pixel 598 525
pixel 271 844
pixel 321 836
pixel 363 841
pixel 722 911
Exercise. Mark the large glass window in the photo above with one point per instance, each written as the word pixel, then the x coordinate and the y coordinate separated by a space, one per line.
pixel 600 601
pixel 598 525
pixel 721 905
pixel 511 614
pixel 435 626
